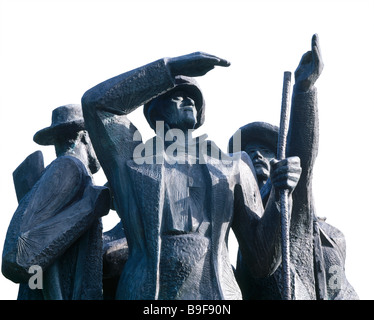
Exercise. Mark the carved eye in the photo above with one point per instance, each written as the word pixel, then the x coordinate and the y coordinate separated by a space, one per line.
pixel 177 98
pixel 268 153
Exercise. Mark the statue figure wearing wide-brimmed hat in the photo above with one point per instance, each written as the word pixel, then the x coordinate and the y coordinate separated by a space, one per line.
pixel 317 249
pixel 67 120
pixel 57 225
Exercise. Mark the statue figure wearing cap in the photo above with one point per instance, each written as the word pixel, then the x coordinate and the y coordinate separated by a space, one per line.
pixel 317 249
pixel 57 225
pixel 178 206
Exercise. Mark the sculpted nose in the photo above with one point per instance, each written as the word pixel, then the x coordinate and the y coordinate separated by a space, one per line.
pixel 257 155
pixel 189 101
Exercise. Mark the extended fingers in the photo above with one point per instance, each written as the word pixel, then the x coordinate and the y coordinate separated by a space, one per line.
pixel 316 51
pixel 214 59
pixel 223 63
pixel 194 64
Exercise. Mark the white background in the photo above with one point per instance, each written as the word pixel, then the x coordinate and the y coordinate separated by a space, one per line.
pixel 51 52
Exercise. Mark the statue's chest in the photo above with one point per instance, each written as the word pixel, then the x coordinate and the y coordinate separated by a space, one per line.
pixel 186 193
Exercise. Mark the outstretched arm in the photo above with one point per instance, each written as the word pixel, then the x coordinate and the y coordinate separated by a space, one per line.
pixel 303 142
pixel 126 92
pixel 106 104
pixel 304 127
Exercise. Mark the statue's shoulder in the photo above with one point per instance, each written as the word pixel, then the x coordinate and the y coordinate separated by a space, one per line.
pixel 332 237
pixel 67 160
pixel 331 231
pixel 63 173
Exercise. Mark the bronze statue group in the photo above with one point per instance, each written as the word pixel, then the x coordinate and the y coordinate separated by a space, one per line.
pixel 177 197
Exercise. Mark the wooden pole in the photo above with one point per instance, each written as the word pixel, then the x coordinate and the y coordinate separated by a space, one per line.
pixel 281 154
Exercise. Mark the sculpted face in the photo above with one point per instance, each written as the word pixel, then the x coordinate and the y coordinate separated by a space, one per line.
pixel 93 162
pixel 261 156
pixel 78 144
pixel 178 110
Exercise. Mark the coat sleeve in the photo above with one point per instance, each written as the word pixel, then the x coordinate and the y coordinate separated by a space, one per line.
pixel 105 107
pixel 303 139
pixel 51 217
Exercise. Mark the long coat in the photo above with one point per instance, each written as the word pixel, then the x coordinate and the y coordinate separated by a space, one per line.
pixel 57 227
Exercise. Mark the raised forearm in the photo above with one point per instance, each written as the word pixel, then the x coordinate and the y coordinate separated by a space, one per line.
pixel 303 142
pixel 105 107
pixel 303 133
pixel 126 92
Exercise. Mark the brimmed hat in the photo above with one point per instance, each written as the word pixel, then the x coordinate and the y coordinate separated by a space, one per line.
pixel 185 84
pixel 260 132
pixel 65 120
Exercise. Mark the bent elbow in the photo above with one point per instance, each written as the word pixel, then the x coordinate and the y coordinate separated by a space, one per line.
pixel 90 102
pixel 13 271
